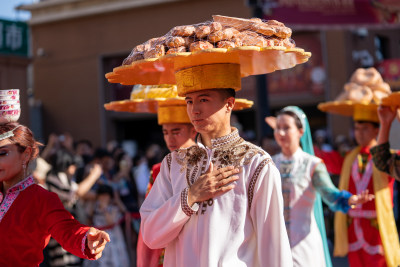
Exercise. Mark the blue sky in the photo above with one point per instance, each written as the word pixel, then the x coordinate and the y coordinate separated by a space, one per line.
pixel 7 10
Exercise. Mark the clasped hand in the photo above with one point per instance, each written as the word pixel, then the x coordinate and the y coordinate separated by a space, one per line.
pixel 212 184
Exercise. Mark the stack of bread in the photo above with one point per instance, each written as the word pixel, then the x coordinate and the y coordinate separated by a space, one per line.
pixel 222 32
pixel 360 97
pixel 248 46
pixel 365 86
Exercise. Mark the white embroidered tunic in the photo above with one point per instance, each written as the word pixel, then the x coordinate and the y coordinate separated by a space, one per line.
pixel 299 195
pixel 302 176
pixel 243 227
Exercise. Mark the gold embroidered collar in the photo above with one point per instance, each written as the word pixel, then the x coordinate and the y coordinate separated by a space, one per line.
pixel 222 141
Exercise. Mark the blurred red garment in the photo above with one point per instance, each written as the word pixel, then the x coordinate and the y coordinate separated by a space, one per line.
pixel 370 227
pixel 147 257
pixel 365 243
pixel 332 159
pixel 29 215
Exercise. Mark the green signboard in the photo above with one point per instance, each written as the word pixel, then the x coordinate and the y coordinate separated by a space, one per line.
pixel 13 38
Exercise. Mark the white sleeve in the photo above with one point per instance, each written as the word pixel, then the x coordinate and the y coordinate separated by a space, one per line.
pixel 266 212
pixel 162 214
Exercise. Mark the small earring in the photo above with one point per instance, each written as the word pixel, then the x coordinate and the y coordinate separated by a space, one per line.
pixel 24 167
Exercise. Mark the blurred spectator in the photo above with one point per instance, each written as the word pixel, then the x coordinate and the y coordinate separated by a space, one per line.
pixel 320 140
pixel 117 152
pixel 124 183
pixel 106 161
pixel 75 173
pixel 111 145
pixel 55 142
pixel 126 191
pixel 130 147
pixel 60 180
pixel 84 148
pixel 106 216
pixel 152 156
pixel 40 168
pixel 343 145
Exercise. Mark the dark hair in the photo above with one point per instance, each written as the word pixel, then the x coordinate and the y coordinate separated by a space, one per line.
pixel 23 137
pixel 105 189
pixel 101 153
pixel 62 159
pixel 85 142
pixel 297 120
pixel 374 124
pixel 118 159
pixel 120 156
pixel 228 92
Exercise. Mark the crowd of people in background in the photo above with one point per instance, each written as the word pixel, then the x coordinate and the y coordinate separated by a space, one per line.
pixel 99 186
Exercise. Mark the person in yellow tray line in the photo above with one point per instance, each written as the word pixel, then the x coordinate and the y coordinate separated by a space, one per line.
pixel 367 234
pixel 219 202
pixel 178 133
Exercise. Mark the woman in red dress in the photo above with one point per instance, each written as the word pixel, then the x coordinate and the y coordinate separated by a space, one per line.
pixel 29 214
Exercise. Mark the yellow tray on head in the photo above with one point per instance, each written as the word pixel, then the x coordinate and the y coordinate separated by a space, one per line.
pixel 253 60
pixel 136 106
pixel 151 105
pixel 241 103
pixel 392 100
pixel 344 108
